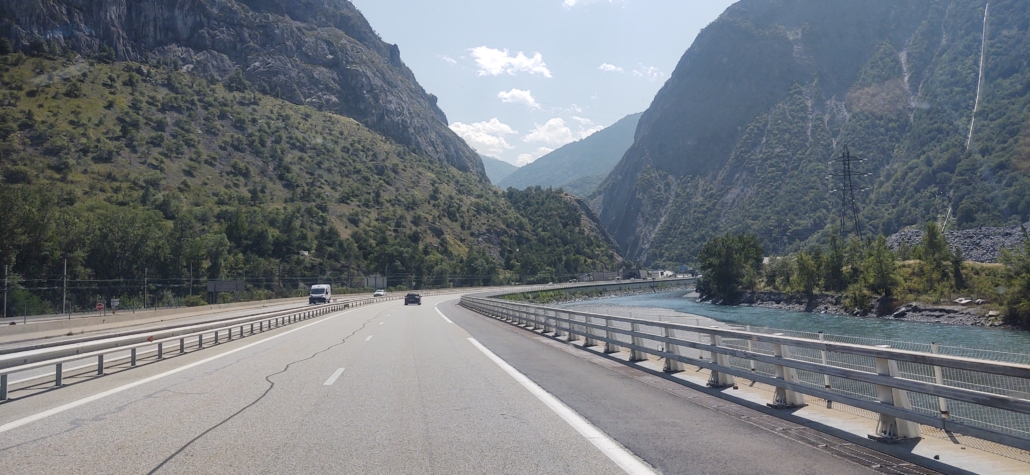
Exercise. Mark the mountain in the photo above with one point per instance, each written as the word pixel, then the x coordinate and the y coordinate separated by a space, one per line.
pixel 133 170
pixel 744 134
pixel 320 53
pixel 496 169
pixel 579 166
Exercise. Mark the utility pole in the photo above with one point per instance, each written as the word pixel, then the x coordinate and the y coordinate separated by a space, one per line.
pixel 191 279
pixel 145 287
pixel 5 290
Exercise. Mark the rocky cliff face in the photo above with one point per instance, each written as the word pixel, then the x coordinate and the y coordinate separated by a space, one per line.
pixel 320 53
pixel 742 136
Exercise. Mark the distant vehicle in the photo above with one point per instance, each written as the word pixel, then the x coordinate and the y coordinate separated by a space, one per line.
pixel 413 299
pixel 321 293
pixel 379 293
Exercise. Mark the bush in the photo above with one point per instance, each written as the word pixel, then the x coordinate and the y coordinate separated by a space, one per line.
pixel 193 301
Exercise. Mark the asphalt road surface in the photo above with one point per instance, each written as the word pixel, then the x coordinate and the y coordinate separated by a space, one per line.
pixel 385 388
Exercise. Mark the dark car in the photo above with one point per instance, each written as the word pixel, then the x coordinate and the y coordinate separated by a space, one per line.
pixel 413 299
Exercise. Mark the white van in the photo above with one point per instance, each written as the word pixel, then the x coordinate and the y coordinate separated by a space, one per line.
pixel 321 293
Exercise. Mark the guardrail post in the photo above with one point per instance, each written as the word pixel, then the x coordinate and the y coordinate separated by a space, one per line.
pixel 890 429
pixel 3 387
pixel 132 358
pixel 100 365
pixel 228 336
pixel 570 326
pixel 719 379
pixel 609 346
pixel 182 345
pixel 751 348
pixel 784 398
pixel 200 341
pixel 938 377
pixel 635 354
pixel 671 365
pixel 216 337
pixel 160 350
pixel 59 374
pixel 826 377
pixel 589 341
pixel 557 325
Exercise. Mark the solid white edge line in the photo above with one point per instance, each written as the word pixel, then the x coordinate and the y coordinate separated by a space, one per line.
pixel 618 454
pixel 332 379
pixel 109 392
pixel 442 315
pixel 369 338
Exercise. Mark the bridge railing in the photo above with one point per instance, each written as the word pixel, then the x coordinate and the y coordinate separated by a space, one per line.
pixel 982 398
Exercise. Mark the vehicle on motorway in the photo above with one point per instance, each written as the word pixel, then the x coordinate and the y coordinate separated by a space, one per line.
pixel 413 299
pixel 379 293
pixel 320 293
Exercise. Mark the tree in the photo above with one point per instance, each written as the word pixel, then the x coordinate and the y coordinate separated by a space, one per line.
pixel 833 265
pixel 1017 295
pixel 726 263
pixel 5 47
pixel 880 269
pixel 935 258
pixel 806 273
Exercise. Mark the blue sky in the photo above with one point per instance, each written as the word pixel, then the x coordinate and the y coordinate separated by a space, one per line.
pixel 519 78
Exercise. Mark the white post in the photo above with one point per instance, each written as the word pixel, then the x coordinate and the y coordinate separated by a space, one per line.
pixel 609 346
pixel 784 398
pixel 635 354
pixel 938 376
pixel 890 429
pixel 589 341
pixel 672 366
pixel 719 379
pixel 826 377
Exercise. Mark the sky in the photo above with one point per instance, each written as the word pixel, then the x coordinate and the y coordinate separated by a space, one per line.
pixel 520 78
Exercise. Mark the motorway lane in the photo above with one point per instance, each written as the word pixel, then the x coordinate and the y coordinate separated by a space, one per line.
pixel 416 398
pixel 667 431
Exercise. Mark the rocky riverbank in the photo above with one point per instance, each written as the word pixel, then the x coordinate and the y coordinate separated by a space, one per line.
pixel 913 311
pixel 563 297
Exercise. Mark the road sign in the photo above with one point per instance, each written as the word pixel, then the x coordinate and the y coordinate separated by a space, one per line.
pixel 114 303
pixel 100 306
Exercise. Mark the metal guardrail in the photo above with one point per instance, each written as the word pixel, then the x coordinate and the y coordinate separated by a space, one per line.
pixel 876 378
pixel 14 361
pixel 155 341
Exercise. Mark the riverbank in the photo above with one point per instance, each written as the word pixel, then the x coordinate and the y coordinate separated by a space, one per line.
pixel 913 311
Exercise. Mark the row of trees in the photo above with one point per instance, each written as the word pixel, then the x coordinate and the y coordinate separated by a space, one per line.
pixel 862 271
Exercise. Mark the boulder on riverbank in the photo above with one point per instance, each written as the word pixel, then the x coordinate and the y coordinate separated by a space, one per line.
pixel 879 308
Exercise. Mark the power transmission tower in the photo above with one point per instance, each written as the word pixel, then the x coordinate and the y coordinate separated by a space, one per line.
pixel 847 188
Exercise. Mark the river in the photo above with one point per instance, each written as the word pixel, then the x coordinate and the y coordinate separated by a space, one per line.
pixel 994 339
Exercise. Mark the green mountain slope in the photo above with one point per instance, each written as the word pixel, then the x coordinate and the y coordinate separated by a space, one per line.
pixel 129 170
pixel 747 144
pixel 497 170
pixel 578 165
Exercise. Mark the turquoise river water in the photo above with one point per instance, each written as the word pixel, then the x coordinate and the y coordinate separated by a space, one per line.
pixel 996 339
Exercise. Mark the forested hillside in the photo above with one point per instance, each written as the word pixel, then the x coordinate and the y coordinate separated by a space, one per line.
pixel 744 135
pixel 129 170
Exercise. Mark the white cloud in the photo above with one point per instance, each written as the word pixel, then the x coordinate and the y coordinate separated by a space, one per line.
pixel 518 96
pixel 448 59
pixel 574 3
pixel 611 68
pixel 650 72
pixel 556 133
pixel 527 158
pixel 494 62
pixel 486 138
